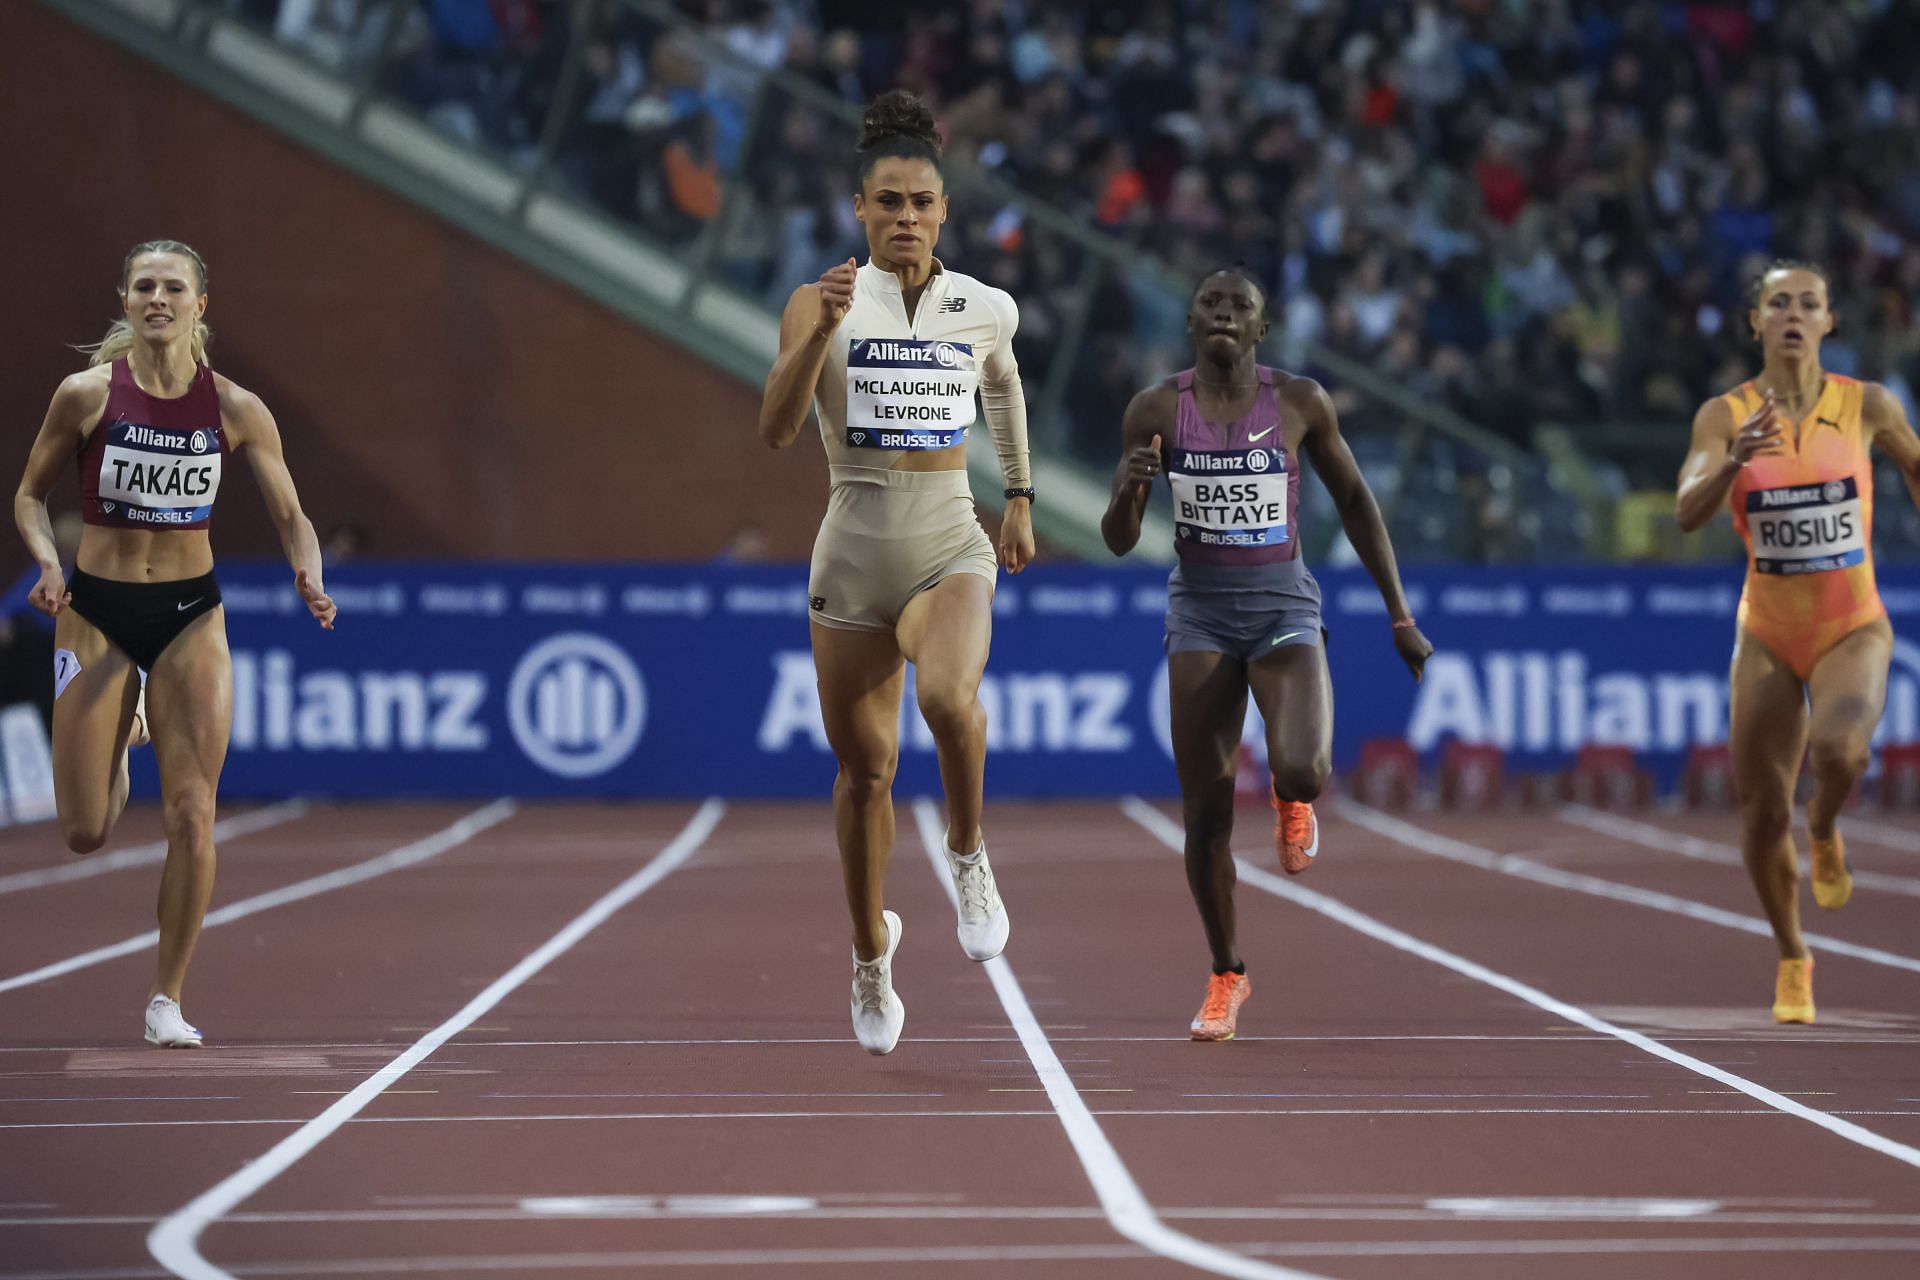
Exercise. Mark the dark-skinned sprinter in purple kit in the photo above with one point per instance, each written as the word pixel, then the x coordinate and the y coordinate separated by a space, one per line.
pixel 1243 612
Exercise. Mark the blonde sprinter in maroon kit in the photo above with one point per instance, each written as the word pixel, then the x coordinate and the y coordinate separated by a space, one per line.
pixel 891 356
pixel 150 425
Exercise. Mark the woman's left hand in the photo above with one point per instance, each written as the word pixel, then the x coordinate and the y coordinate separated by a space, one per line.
pixel 319 603
pixel 1016 535
pixel 1414 649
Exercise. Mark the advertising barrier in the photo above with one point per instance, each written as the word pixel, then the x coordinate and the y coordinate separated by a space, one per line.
pixel 621 680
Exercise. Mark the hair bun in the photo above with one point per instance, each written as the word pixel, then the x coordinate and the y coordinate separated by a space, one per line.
pixel 898 113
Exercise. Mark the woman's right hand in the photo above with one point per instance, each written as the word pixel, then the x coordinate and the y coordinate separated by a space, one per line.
pixel 1759 434
pixel 50 594
pixel 1143 464
pixel 836 296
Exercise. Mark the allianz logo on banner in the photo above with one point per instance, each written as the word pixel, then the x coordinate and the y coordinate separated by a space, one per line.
pixel 576 706
pixel 1531 700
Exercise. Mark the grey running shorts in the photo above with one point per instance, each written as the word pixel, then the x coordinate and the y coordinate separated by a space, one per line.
pixel 1243 610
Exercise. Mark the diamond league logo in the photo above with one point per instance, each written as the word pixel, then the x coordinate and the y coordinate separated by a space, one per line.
pixel 576 704
pixel 856 437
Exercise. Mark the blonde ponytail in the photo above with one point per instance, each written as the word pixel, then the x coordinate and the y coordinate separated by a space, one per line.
pixel 119 339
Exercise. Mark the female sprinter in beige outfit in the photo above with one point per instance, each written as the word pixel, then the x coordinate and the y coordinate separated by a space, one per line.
pixel 891 355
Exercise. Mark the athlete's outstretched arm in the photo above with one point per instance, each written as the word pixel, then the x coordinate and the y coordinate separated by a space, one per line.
pixel 1888 428
pixel 1148 420
pixel 1359 513
pixel 80 397
pixel 1717 455
pixel 806 328
pixel 251 427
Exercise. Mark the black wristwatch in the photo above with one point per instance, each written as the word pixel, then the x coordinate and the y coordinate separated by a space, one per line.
pixel 1026 493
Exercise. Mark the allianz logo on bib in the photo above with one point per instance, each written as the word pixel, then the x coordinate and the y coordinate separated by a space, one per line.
pixel 939 352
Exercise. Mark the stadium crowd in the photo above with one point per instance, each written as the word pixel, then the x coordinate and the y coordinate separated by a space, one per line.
pixel 1529 211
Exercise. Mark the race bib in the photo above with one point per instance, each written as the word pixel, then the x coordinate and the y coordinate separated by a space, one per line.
pixel 1807 528
pixel 157 476
pixel 909 393
pixel 1230 499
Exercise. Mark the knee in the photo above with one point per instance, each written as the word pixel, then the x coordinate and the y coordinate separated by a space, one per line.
pixel 949 708
pixel 83 837
pixel 189 818
pixel 1209 826
pixel 1301 781
pixel 1766 819
pixel 1845 754
pixel 864 780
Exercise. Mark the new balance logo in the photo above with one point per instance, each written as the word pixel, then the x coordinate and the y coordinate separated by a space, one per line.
pixel 816 603
pixel 953 305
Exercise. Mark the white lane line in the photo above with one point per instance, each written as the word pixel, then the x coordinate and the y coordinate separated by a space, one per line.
pixel 174 1242
pixel 1170 834
pixel 1901 838
pixel 547 1263
pixel 1651 836
pixel 848 1117
pixel 1422 840
pixel 243 824
pixel 1125 1205
pixel 607 1208
pixel 405 856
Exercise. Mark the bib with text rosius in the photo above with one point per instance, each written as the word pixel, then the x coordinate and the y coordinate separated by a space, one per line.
pixel 1236 498
pixel 909 393
pixel 1810 528
pixel 160 476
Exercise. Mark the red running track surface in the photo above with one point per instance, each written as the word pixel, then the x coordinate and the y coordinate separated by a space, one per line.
pixel 676 1091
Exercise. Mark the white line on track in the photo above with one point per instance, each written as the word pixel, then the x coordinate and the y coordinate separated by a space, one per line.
pixel 405 856
pixel 1726 855
pixel 1170 834
pixel 849 1117
pixel 174 1242
pixel 844 1258
pixel 1422 840
pixel 1125 1205
pixel 1783 1220
pixel 139 855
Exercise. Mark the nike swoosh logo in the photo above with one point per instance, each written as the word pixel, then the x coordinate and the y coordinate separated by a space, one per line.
pixel 182 608
pixel 1290 635
pixel 1262 435
pixel 1826 422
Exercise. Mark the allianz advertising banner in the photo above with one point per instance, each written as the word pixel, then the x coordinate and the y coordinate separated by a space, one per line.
pixel 469 680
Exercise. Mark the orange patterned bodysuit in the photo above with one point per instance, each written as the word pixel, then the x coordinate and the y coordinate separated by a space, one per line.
pixel 1806 515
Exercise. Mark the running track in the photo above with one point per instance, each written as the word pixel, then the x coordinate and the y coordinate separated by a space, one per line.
pixel 590 1040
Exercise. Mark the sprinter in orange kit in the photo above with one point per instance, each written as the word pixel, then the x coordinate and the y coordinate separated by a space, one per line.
pixel 1788 452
